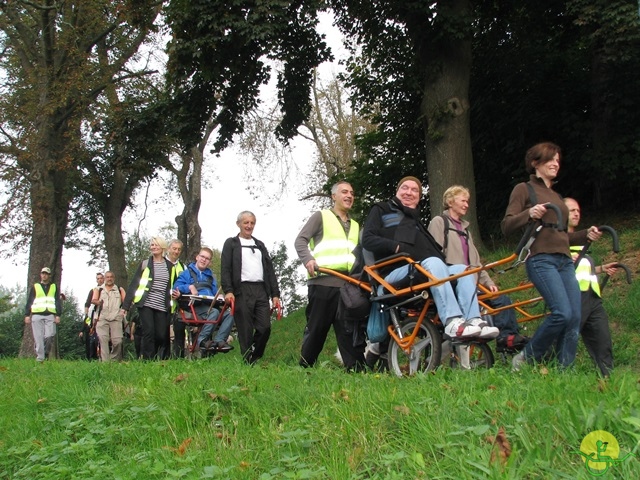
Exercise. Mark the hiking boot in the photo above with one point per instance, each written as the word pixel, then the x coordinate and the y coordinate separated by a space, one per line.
pixel 223 347
pixel 458 328
pixel 511 343
pixel 517 361
pixel 208 345
pixel 486 331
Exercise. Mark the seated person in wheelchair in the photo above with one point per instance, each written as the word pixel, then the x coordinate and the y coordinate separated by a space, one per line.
pixel 198 279
pixel 394 227
pixel 450 230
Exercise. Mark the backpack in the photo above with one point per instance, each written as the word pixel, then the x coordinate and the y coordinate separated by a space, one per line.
pixel 447 228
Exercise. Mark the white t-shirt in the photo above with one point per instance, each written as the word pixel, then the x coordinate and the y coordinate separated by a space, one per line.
pixel 251 261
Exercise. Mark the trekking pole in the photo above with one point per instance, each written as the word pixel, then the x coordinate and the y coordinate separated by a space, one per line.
pixel 614 240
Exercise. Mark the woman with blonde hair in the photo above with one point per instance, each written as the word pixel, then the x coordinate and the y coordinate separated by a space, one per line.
pixel 150 291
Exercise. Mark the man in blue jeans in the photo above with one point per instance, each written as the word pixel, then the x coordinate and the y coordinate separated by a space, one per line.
pixel 395 226
pixel 198 279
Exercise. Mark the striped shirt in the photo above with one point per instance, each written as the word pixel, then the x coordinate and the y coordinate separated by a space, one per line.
pixel 157 296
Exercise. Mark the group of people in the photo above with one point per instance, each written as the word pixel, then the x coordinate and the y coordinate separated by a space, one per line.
pixel 330 239
pixel 248 281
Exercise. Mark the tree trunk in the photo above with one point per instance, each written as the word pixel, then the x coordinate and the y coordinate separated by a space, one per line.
pixel 190 185
pixel 49 209
pixel 115 204
pixel 189 179
pixel 446 112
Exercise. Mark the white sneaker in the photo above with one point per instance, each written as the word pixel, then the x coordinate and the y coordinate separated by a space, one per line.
pixel 458 328
pixel 486 331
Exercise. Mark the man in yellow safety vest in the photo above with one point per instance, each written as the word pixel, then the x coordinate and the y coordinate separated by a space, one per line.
pixel 328 240
pixel 43 311
pixel 594 324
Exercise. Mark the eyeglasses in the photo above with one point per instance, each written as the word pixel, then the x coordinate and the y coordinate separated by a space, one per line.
pixel 208 259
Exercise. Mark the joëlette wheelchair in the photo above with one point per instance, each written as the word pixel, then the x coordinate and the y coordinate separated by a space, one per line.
pixel 415 330
pixel 188 315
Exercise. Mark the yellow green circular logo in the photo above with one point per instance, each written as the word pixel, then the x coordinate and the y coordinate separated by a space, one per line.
pixel 599 448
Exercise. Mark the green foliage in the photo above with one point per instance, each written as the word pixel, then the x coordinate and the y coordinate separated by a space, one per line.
pixel 582 94
pixel 290 280
pixel 217 62
pixel 12 326
pixel 385 79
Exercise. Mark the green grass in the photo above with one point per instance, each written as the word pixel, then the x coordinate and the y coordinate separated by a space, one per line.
pixel 218 418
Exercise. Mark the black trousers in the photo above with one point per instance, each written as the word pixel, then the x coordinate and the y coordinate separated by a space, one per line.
pixel 594 328
pixel 90 343
pixel 179 336
pixel 322 313
pixel 155 329
pixel 253 321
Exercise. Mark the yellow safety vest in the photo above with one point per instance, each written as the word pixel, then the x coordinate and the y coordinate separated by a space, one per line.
pixel 44 302
pixel 335 250
pixel 586 275
pixel 145 279
pixel 177 269
pixel 143 285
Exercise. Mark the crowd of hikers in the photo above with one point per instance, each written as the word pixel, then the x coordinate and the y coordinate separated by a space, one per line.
pixel 158 299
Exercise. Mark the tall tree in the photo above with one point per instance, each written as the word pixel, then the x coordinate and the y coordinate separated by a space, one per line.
pixel 50 53
pixel 186 167
pixel 425 46
pixel 217 64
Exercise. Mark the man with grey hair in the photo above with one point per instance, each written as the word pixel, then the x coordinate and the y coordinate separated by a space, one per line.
pixel 174 250
pixel 249 280
pixel 328 240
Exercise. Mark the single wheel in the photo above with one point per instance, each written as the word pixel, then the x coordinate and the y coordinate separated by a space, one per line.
pixel 480 356
pixel 424 354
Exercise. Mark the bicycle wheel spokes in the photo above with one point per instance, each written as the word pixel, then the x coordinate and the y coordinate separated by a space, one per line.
pixel 422 356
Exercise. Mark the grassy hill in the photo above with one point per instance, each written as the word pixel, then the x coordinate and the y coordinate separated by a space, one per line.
pixel 218 418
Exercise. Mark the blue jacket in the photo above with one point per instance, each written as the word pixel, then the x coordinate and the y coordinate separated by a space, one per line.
pixel 205 282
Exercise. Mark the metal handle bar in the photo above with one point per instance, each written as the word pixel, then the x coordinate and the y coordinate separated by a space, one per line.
pixel 626 269
pixel 614 239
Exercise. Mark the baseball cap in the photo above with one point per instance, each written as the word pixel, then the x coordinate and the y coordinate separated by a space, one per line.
pixel 46 270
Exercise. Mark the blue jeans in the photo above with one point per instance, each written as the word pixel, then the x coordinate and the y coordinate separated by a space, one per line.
pixel 466 303
pixel 555 278
pixel 207 329
pixel 505 320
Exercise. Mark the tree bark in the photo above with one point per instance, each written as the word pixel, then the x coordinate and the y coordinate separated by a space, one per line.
pixel 446 111
pixel 50 201
pixel 190 186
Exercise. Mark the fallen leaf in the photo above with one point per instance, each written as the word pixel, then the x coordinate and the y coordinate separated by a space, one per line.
pixel 544 370
pixel 403 409
pixel 182 448
pixel 180 378
pixel 41 400
pixel 501 447
pixel 602 385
